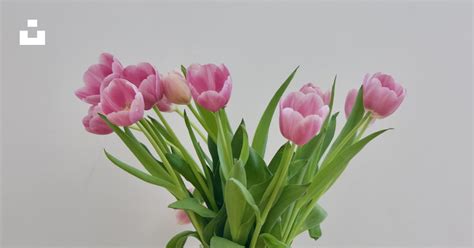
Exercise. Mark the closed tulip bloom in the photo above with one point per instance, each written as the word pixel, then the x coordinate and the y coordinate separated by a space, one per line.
pixel 176 88
pixel 108 67
pixel 382 95
pixel 122 103
pixel 210 84
pixel 147 80
pixel 93 123
pixel 350 101
pixel 301 116
pixel 311 88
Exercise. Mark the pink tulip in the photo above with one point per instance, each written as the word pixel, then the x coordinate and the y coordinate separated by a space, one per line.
pixel 108 68
pixel 147 79
pixel 382 95
pixel 164 105
pixel 122 103
pixel 301 116
pixel 182 217
pixel 350 100
pixel 175 88
pixel 311 88
pixel 93 123
pixel 210 84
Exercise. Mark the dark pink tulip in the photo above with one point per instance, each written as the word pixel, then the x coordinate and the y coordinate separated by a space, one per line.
pixel 301 116
pixel 176 88
pixel 93 123
pixel 210 84
pixel 382 95
pixel 350 100
pixel 108 67
pixel 311 88
pixel 147 80
pixel 122 103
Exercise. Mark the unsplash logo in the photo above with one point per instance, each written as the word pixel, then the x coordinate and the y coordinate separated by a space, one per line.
pixel 38 40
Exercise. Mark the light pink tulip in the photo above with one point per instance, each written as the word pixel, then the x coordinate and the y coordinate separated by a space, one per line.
pixel 108 68
pixel 182 217
pixel 176 88
pixel 210 84
pixel 93 123
pixel 382 95
pixel 311 88
pixel 147 80
pixel 350 100
pixel 301 116
pixel 122 103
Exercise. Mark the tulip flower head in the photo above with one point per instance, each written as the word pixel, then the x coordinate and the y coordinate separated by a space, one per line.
pixel 210 85
pixel 311 88
pixel 382 95
pixel 122 103
pixel 108 68
pixel 147 80
pixel 301 116
pixel 350 101
pixel 93 123
pixel 176 88
pixel 164 105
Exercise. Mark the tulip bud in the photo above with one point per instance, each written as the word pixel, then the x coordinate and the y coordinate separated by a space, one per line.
pixel 311 88
pixel 350 100
pixel 93 123
pixel 176 89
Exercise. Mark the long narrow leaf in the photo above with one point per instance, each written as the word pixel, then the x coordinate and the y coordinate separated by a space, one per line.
pixel 259 142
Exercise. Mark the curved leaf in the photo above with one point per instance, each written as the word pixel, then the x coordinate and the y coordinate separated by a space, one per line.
pixel 218 242
pixel 191 204
pixel 259 142
pixel 272 242
pixel 179 239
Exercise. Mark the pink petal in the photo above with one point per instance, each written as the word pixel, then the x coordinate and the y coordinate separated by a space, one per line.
pixel 306 129
pixel 211 101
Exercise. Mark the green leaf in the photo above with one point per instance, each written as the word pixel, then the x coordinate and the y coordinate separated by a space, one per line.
pixel 183 70
pixel 183 168
pixel 256 169
pixel 224 148
pixel 218 242
pixel 240 143
pixel 138 173
pixel 191 204
pixel 236 198
pixel 145 158
pixel 272 242
pixel 160 128
pixel 257 190
pixel 179 239
pixel 275 162
pixel 354 118
pixel 296 168
pixel 290 194
pixel 316 217
pixel 238 172
pixel 325 178
pixel 259 142
pixel 315 232
pixel 215 225
pixel 209 119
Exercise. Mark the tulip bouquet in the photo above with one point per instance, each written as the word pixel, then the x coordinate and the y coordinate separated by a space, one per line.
pixel 237 199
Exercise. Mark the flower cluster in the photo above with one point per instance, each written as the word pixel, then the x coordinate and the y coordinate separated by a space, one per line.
pixel 237 199
pixel 124 93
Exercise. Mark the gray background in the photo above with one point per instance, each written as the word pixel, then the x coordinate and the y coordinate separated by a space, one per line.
pixel 412 187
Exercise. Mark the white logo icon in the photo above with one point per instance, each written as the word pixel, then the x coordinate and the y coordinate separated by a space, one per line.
pixel 39 40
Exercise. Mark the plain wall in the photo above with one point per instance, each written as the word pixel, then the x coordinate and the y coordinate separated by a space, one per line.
pixel 410 188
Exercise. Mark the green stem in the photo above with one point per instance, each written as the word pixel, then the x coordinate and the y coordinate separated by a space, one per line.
pixel 226 146
pixel 280 179
pixel 200 120
pixel 200 133
pixel 177 181
pixel 193 165
pixel 364 127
